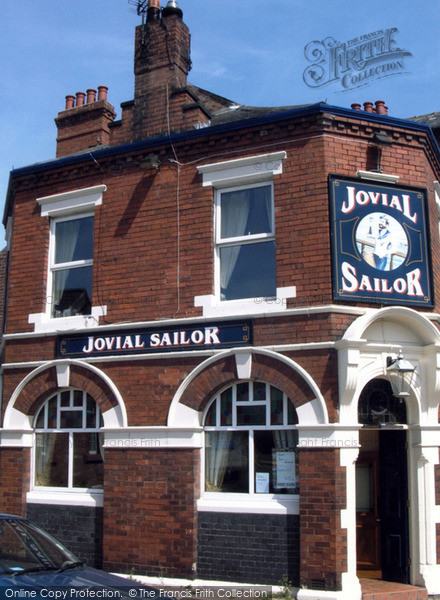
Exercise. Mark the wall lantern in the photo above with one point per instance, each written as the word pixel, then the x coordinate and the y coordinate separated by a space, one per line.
pixel 402 374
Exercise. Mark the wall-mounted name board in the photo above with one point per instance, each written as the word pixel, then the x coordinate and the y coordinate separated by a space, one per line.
pixel 143 341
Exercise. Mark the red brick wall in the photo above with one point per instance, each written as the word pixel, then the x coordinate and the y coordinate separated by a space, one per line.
pixel 437 482
pixel 323 542
pixel 150 519
pixel 14 476
pixel 3 282
pixel 437 531
pixel 135 261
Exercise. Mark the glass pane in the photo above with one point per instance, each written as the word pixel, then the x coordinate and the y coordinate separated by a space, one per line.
pixel 77 398
pixel 275 464
pixel 88 467
pixel 211 415
pixel 71 419
pixel 74 240
pixel 65 398
pixel 51 459
pixel 248 271
pixel 52 413
pixel 378 406
pixel 25 546
pixel 91 413
pixel 226 408
pixel 227 461
pixel 259 390
pixel 364 487
pixel 243 392
pixel 39 423
pixel 246 212
pixel 251 415
pixel 276 406
pixel 72 292
pixel 292 417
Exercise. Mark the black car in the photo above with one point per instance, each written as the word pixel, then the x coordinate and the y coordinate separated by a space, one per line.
pixel 30 557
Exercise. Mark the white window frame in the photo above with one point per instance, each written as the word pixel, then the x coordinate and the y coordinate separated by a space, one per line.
pixel 239 240
pixel 54 267
pixel 251 502
pixel 245 173
pixel 39 494
pixel 72 204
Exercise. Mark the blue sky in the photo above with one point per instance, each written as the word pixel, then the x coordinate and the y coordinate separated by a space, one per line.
pixel 250 51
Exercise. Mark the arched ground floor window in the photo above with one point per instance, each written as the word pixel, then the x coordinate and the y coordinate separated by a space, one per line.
pixel 250 441
pixel 250 476
pixel 68 452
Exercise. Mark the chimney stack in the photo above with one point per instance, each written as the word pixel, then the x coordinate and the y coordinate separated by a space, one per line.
pixel 85 121
pixel 161 65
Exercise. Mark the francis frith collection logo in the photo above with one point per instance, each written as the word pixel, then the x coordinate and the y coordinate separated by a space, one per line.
pixel 356 62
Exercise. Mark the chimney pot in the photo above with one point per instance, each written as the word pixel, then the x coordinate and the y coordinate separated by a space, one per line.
pixel 91 96
pixel 70 101
pixel 153 10
pixel 356 106
pixel 102 92
pixel 368 107
pixel 381 109
pixel 80 97
pixel 172 8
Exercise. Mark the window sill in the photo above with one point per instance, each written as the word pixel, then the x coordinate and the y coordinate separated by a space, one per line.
pixel 212 307
pixel 250 504
pixel 93 498
pixel 44 324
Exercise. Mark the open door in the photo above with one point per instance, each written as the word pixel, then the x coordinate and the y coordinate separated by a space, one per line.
pixel 394 506
pixel 382 506
pixel 368 522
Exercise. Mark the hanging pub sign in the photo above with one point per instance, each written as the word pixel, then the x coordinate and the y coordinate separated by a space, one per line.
pixel 147 341
pixel 380 249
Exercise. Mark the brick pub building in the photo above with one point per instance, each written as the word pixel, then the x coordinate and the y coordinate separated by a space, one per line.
pixel 222 343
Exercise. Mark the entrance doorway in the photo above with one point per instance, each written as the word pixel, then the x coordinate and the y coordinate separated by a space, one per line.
pixel 382 526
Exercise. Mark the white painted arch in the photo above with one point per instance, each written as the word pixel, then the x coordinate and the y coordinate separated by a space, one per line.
pixel 16 420
pixel 311 413
pixel 363 351
pixel 408 319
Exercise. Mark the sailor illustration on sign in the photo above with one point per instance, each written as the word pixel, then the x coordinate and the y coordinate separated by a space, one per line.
pixel 382 241
pixel 383 246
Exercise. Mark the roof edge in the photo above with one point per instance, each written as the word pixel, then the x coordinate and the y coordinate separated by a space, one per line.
pixel 303 111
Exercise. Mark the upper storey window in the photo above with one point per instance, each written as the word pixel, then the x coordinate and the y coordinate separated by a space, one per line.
pixel 245 258
pixel 71 266
pixel 246 242
pixel 69 302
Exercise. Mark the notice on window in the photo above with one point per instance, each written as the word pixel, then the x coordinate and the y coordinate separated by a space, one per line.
pixel 284 467
pixel 261 483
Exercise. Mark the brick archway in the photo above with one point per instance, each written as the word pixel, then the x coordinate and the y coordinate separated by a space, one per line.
pixel 47 379
pixel 265 365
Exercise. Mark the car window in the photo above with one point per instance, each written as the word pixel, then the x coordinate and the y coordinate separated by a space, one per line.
pixel 24 546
